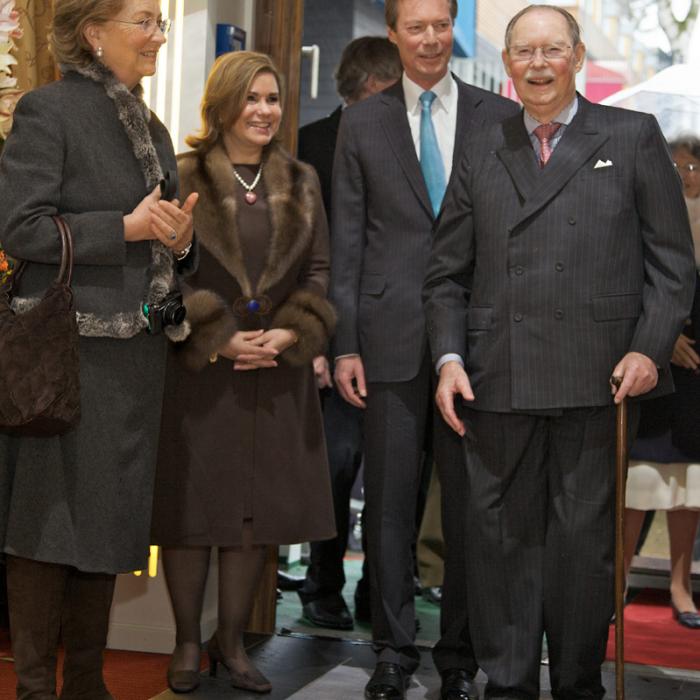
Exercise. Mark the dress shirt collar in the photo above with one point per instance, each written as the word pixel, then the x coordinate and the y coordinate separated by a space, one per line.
pixel 445 91
pixel 564 117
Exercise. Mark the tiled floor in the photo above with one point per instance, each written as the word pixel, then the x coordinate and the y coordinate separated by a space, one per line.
pixel 307 668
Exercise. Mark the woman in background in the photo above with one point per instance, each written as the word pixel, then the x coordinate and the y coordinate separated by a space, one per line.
pixel 75 509
pixel 242 461
pixel 665 473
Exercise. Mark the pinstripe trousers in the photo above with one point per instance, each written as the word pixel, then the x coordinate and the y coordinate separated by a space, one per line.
pixel 540 543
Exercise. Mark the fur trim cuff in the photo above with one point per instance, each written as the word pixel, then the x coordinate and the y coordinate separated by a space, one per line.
pixel 211 322
pixel 312 318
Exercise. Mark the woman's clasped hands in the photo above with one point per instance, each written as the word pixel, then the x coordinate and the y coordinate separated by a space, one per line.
pixel 257 349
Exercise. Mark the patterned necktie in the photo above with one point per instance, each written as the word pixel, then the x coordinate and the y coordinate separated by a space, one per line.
pixel 430 158
pixel 544 133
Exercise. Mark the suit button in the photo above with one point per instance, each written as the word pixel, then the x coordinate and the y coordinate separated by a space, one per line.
pixel 519 270
pixel 559 267
pixel 509 229
pixel 558 314
pixel 517 318
pixel 572 221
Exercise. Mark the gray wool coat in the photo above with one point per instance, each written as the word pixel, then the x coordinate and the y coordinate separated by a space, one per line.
pixel 84 499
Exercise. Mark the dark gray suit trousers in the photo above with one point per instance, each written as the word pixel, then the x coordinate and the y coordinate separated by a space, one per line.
pixel 541 528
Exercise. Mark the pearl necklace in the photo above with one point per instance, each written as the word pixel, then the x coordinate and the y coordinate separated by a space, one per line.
pixel 250 196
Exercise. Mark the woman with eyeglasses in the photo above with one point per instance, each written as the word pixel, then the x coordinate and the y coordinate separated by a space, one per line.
pixel 75 509
pixel 665 472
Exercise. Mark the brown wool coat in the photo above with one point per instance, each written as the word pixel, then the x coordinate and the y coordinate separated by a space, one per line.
pixel 237 445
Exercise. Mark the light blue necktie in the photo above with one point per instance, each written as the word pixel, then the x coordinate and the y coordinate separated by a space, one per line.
pixel 430 158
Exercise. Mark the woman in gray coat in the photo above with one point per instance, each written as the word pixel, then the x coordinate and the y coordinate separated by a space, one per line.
pixel 75 509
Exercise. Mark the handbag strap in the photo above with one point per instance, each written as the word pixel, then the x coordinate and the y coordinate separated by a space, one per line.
pixel 65 273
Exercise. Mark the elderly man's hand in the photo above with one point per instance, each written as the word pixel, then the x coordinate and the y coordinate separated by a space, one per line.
pixel 453 382
pixel 638 374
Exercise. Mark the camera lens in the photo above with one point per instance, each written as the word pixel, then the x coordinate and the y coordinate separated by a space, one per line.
pixel 173 313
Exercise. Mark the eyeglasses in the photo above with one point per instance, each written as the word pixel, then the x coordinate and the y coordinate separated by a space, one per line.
pixel 551 52
pixel 148 26
pixel 689 168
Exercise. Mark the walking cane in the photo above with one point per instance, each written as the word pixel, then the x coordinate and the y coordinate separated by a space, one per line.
pixel 621 462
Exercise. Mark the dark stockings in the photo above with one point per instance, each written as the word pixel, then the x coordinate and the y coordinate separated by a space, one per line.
pixel 186 575
pixel 186 571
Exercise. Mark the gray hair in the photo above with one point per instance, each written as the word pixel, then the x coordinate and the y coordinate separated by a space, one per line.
pixel 574 28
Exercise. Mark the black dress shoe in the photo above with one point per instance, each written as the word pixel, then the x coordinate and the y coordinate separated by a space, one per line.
pixel 457 684
pixel 388 682
pixel 330 612
pixel 287 582
pixel 689 619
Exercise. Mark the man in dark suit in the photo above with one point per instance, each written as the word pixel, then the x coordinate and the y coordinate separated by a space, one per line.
pixel 368 65
pixel 393 159
pixel 562 257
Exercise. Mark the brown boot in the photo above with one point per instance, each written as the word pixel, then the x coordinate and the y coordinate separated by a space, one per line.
pixel 35 592
pixel 84 632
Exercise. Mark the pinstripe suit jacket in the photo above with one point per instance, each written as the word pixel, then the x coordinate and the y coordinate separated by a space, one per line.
pixel 542 279
pixel 381 228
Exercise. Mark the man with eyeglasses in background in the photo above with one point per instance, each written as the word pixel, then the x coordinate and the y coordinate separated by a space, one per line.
pixel 563 256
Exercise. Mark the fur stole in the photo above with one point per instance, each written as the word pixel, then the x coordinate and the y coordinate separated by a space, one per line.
pixel 134 116
pixel 293 196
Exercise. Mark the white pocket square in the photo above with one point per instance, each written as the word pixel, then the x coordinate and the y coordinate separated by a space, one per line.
pixel 603 164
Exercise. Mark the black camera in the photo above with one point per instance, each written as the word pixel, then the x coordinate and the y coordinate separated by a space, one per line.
pixel 168 185
pixel 169 312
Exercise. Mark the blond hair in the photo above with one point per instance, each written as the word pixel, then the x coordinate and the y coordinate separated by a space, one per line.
pixel 226 91
pixel 67 33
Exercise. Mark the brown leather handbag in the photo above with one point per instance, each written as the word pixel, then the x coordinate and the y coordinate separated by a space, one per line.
pixel 39 380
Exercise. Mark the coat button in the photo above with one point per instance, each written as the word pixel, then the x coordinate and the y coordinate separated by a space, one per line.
pixel 509 229
pixel 519 270
pixel 559 267
pixel 558 314
pixel 517 318
pixel 572 221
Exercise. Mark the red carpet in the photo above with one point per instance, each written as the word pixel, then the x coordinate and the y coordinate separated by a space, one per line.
pixel 653 637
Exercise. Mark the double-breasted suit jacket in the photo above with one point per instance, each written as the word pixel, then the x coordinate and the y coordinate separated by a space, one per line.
pixel 543 279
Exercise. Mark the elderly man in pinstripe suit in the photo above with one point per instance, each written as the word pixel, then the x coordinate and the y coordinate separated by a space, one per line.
pixel 563 256
pixel 394 157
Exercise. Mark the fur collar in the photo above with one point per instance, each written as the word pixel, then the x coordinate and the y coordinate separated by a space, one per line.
pixel 290 187
pixel 134 116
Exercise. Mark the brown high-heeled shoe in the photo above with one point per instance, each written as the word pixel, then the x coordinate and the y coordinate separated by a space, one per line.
pixel 251 680
pixel 182 680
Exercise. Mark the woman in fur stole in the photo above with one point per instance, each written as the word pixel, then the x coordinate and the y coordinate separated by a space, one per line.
pixel 242 461
pixel 75 509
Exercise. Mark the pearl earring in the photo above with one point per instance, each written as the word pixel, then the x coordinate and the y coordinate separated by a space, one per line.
pixel 100 52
